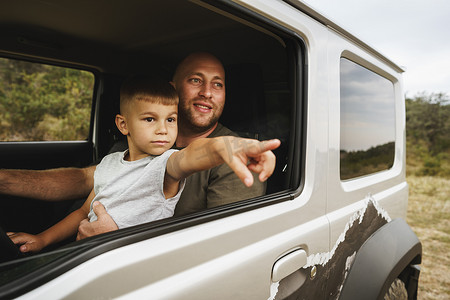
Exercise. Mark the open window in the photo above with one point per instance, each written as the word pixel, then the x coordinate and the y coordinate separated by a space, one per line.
pixel 264 73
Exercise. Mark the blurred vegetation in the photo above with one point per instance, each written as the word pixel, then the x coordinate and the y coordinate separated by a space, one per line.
pixel 428 135
pixel 43 103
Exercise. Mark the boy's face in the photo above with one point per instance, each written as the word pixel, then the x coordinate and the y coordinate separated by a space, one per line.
pixel 151 128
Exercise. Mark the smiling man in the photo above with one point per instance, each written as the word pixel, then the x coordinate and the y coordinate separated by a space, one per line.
pixel 200 83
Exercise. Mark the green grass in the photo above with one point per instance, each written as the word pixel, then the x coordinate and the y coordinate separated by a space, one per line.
pixel 429 217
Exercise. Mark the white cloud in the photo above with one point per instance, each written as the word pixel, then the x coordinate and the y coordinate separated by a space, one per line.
pixel 413 33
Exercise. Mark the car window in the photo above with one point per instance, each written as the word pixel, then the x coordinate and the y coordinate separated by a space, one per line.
pixel 367 121
pixel 40 102
pixel 262 99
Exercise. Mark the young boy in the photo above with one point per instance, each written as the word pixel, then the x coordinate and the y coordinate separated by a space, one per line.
pixel 144 183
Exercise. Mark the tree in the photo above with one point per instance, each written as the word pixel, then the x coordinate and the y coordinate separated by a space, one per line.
pixel 428 131
pixel 427 118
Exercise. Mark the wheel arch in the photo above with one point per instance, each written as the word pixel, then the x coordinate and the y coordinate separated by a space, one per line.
pixel 392 250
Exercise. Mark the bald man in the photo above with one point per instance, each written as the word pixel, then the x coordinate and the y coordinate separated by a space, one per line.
pixel 200 82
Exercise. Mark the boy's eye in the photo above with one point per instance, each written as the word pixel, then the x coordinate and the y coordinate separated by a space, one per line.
pixel 170 120
pixel 149 119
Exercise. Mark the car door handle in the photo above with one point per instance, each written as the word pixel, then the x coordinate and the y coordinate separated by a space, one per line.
pixel 288 264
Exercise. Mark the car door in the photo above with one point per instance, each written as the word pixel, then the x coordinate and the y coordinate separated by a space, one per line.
pixel 272 246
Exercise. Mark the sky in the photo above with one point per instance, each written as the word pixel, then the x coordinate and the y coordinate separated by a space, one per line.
pixel 415 34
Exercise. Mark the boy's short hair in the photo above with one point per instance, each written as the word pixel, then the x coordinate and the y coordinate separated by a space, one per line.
pixel 150 89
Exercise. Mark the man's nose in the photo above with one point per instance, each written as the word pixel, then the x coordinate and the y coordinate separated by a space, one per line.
pixel 205 91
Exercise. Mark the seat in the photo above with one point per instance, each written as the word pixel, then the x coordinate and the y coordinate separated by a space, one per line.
pixel 245 113
pixel 245 110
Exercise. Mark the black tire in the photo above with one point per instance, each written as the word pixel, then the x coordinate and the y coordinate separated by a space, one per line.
pixel 397 291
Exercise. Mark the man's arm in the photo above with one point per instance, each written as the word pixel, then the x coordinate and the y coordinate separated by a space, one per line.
pixel 49 185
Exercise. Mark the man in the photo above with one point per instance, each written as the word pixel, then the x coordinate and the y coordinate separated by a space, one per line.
pixel 200 83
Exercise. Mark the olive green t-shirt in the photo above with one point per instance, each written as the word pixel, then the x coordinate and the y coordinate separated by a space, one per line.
pixel 216 186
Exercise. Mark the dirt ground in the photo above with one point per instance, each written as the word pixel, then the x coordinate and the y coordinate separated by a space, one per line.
pixel 429 217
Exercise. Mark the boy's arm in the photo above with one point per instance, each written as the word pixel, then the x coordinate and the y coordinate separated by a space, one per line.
pixel 58 232
pixel 242 155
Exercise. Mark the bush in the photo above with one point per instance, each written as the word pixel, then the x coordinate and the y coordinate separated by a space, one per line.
pixel 43 102
pixel 428 134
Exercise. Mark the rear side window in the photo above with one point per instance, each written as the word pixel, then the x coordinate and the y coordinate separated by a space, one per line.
pixel 40 102
pixel 367 131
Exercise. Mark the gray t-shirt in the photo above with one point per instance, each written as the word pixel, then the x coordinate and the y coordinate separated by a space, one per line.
pixel 132 191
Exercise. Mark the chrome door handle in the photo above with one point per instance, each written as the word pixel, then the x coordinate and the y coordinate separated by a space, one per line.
pixel 288 264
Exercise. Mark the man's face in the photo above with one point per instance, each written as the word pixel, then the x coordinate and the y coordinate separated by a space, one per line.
pixel 201 89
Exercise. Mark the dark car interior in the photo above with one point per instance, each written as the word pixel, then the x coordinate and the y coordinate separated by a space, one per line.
pixel 115 39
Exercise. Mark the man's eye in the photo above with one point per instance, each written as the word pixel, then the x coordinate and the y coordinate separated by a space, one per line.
pixel 196 81
pixel 218 85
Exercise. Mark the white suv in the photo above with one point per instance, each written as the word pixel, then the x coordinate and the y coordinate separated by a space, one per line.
pixel 332 222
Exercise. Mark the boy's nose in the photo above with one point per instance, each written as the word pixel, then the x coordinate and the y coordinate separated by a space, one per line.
pixel 162 128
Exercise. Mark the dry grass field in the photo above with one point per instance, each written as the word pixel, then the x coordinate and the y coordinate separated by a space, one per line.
pixel 429 217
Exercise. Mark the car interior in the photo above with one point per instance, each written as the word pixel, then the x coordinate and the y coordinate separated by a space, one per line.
pixel 115 39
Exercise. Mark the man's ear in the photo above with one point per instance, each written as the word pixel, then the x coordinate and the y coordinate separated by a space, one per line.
pixel 173 84
pixel 121 124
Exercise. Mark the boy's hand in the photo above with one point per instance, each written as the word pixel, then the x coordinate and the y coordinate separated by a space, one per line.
pixel 28 242
pixel 245 155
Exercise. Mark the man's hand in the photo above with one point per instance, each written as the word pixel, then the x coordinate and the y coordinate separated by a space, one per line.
pixel 28 242
pixel 103 224
pixel 245 155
